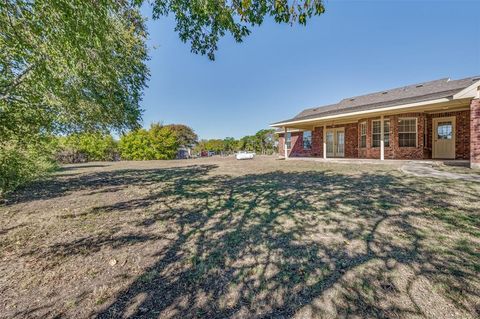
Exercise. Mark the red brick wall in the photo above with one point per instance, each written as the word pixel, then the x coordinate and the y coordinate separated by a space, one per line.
pixel 408 152
pixel 297 144
pixel 351 140
pixel 463 138
pixel 462 133
pixel 317 142
pixel 475 133
pixel 393 151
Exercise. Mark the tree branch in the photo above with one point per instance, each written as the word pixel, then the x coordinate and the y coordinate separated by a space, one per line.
pixel 20 78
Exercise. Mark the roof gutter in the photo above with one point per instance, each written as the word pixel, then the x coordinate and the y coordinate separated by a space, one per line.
pixel 391 108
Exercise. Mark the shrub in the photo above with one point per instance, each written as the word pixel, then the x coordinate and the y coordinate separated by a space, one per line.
pixel 21 163
pixel 158 143
pixel 84 147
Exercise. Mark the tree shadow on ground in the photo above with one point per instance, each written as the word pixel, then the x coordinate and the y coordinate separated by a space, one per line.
pixel 62 185
pixel 276 244
pixel 71 167
pixel 307 244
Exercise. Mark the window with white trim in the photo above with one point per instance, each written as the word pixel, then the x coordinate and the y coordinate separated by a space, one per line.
pixel 363 134
pixel 376 133
pixel 407 132
pixel 307 140
pixel 288 140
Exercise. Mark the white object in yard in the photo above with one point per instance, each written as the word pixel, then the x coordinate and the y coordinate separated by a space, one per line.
pixel 245 155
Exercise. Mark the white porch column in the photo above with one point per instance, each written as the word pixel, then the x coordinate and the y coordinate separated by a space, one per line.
pixel 324 142
pixel 382 142
pixel 285 142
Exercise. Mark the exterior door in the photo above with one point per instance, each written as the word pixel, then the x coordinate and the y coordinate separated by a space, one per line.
pixel 330 138
pixel 340 141
pixel 335 139
pixel 443 138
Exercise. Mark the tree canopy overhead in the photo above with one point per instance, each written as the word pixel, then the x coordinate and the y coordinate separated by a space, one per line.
pixel 65 66
pixel 203 22
pixel 70 65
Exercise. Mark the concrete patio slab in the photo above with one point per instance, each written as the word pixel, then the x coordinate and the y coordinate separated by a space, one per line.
pixel 422 168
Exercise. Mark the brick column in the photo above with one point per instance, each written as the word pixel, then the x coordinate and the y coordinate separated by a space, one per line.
pixel 475 133
pixel 317 142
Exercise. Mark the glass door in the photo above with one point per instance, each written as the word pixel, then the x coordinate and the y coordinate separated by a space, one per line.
pixel 330 143
pixel 340 141
pixel 335 139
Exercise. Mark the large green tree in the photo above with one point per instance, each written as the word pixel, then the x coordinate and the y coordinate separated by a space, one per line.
pixel 185 135
pixel 203 22
pixel 265 141
pixel 70 65
pixel 65 66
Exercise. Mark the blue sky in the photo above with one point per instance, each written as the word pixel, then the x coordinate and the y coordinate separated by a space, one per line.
pixel 356 47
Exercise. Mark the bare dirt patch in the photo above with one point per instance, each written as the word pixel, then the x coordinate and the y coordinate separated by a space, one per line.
pixel 223 238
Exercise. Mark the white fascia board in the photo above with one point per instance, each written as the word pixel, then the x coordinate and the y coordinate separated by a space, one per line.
pixel 290 130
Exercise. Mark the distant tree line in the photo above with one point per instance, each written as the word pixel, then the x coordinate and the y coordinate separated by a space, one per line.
pixel 160 142
pixel 263 142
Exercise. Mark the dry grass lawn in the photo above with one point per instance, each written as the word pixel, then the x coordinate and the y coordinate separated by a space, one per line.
pixel 220 238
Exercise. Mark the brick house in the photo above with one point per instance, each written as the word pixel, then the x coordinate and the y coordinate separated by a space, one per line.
pixel 433 120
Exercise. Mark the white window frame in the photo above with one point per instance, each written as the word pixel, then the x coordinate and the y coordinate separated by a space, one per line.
pixel 303 140
pixel 361 134
pixel 385 133
pixel 416 131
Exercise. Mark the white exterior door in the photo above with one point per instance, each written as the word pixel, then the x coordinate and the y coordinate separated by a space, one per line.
pixel 443 138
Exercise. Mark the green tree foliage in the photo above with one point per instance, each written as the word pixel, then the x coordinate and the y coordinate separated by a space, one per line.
pixel 135 145
pixel 186 136
pixel 203 22
pixel 230 144
pixel 158 143
pixel 263 142
pixel 20 164
pixel 66 66
pixel 70 65
pixel 213 145
pixel 95 146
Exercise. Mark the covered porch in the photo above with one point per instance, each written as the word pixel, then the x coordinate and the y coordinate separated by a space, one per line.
pixel 444 129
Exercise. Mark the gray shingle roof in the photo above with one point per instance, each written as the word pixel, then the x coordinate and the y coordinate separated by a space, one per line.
pixel 408 94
